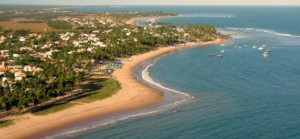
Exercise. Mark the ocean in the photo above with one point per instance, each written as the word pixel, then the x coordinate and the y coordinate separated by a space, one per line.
pixel 243 95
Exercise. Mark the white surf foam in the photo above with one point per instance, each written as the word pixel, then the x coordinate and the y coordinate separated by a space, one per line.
pixel 145 75
pixel 77 131
pixel 210 15
pixel 147 78
pixel 149 19
pixel 266 31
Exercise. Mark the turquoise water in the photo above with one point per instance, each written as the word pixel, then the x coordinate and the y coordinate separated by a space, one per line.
pixel 242 95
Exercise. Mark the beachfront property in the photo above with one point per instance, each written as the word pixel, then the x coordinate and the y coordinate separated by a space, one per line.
pixel 50 64
pixel 102 34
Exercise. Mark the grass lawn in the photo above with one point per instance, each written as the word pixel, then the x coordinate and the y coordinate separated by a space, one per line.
pixel 96 89
pixel 107 89
pixel 6 123
pixel 53 109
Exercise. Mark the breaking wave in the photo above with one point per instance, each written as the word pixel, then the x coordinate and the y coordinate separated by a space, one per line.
pixel 210 15
pixel 73 132
pixel 147 78
pixel 79 130
pixel 266 31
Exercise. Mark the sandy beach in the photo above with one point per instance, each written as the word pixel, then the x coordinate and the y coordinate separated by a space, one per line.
pixel 133 95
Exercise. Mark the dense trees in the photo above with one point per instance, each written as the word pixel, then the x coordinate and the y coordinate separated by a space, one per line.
pixel 52 82
pixel 58 74
pixel 22 32
pixel 60 24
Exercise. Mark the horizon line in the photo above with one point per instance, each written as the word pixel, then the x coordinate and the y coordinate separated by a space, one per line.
pixel 13 4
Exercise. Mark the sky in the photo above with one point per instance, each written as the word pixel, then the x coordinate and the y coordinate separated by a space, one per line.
pixel 152 2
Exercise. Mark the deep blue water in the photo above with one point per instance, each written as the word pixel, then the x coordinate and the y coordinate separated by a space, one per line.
pixel 242 95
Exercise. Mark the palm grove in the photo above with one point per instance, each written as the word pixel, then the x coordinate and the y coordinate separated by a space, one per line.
pixel 65 56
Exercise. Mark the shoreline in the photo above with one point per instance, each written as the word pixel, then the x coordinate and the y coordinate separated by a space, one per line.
pixel 141 95
pixel 133 20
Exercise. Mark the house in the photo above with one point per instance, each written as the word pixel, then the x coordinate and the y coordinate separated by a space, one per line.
pixel 25 48
pixel 46 45
pixel 90 49
pixel 96 31
pixel 98 43
pixel 2 70
pixel 16 55
pixel 35 46
pixel 33 35
pixel 81 50
pixel 14 69
pixel 179 29
pixel 19 76
pixel 76 43
pixel 48 54
pixel 22 39
pixel 61 44
pixel 2 58
pixel 71 52
pixel 3 80
pixel 66 38
pixel 2 39
pixel 29 68
pixel 4 53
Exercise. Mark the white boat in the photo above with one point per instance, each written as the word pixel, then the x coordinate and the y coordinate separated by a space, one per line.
pixel 254 46
pixel 223 51
pixel 222 44
pixel 266 53
pixel 260 48
pixel 219 55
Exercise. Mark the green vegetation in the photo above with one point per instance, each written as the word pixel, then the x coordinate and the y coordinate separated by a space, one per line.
pixel 25 13
pixel 22 32
pixel 41 67
pixel 6 123
pixel 53 109
pixel 107 89
pixel 51 82
pixel 100 89
pixel 59 24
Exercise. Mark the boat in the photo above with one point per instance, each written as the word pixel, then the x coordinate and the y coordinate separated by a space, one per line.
pixel 222 44
pixel 222 51
pixel 211 55
pixel 266 54
pixel 260 48
pixel 219 55
pixel 254 46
